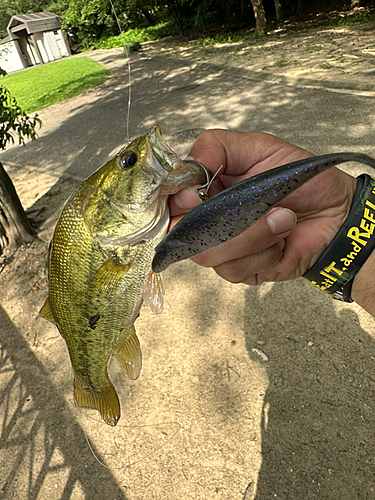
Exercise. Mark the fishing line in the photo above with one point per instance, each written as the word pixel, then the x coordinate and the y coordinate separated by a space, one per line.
pixel 126 50
pixel 213 178
pixel 81 410
pixel 92 451
pixel 150 453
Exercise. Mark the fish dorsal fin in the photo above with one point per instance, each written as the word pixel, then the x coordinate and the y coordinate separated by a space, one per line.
pixel 109 276
pixel 46 312
pixel 153 293
pixel 106 401
pixel 129 355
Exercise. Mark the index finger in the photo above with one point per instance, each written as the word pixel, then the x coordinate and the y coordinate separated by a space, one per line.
pixel 235 156
pixel 242 154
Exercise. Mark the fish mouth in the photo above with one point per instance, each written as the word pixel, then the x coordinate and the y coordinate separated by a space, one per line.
pixel 175 174
pixel 187 174
pixel 165 156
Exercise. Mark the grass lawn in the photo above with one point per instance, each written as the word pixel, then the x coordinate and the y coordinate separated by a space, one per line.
pixel 38 87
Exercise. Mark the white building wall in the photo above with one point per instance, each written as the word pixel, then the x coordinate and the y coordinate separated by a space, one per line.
pixel 62 42
pixel 48 46
pixel 51 44
pixel 38 37
pixel 10 59
pixel 55 44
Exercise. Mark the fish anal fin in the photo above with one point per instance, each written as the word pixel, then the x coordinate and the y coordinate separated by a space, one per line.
pixel 106 402
pixel 129 355
pixel 46 312
pixel 153 293
pixel 109 276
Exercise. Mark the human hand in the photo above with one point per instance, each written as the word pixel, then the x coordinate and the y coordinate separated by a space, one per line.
pixel 286 242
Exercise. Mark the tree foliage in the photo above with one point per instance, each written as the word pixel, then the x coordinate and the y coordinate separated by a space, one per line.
pixel 95 18
pixel 90 20
pixel 15 228
pixel 14 122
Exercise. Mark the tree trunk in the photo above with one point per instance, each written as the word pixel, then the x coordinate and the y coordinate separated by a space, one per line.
pixel 175 12
pixel 260 17
pixel 15 229
pixel 278 10
pixel 149 16
pixel 177 20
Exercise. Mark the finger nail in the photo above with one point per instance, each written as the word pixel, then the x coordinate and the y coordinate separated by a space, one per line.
pixel 281 220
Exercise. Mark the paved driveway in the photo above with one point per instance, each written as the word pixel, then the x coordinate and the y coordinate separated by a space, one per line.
pixel 211 416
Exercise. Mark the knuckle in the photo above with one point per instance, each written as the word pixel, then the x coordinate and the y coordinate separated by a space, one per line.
pixel 209 135
pixel 232 270
pixel 271 258
pixel 247 269
pixel 251 280
pixel 256 239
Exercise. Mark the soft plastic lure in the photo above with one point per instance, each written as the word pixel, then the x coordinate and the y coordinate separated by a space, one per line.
pixel 232 211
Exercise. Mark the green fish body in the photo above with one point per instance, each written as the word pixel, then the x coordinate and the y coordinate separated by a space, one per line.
pixel 100 263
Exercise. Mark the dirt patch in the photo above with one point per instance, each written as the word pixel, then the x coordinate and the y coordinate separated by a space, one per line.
pixel 329 54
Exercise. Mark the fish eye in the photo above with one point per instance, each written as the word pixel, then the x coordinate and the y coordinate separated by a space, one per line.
pixel 129 159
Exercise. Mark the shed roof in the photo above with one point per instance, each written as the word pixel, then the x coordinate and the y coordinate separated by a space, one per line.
pixel 32 23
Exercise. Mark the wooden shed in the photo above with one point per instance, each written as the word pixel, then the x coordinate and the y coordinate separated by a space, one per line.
pixel 33 39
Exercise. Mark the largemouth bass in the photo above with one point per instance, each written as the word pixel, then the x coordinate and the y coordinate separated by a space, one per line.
pixel 237 208
pixel 100 263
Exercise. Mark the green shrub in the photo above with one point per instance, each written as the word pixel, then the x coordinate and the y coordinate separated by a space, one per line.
pixel 222 38
pixel 133 37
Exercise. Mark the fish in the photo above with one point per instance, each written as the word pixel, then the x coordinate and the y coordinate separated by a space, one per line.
pixel 99 263
pixel 229 213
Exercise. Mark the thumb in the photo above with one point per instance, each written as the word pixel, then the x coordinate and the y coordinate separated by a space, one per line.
pixel 183 201
pixel 280 220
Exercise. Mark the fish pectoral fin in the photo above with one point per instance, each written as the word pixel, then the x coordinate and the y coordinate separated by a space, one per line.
pixel 153 293
pixel 129 355
pixel 46 312
pixel 109 276
pixel 106 402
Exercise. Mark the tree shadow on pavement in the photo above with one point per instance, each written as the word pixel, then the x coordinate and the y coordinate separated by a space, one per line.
pixel 316 429
pixel 39 434
pixel 318 416
pixel 181 96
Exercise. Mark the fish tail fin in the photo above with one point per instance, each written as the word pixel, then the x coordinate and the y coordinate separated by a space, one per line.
pixel 106 402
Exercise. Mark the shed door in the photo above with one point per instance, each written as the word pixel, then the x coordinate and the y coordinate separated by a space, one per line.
pixel 40 42
pixel 27 53
pixel 53 45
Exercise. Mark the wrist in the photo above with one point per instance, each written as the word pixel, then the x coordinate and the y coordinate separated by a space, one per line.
pixel 363 290
pixel 346 255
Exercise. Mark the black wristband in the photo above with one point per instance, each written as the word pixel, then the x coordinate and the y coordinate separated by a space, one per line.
pixel 335 269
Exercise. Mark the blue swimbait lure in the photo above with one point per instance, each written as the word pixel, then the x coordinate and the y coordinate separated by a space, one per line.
pixel 235 209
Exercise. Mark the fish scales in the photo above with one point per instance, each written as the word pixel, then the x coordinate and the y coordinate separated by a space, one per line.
pixel 100 263
pixel 237 208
